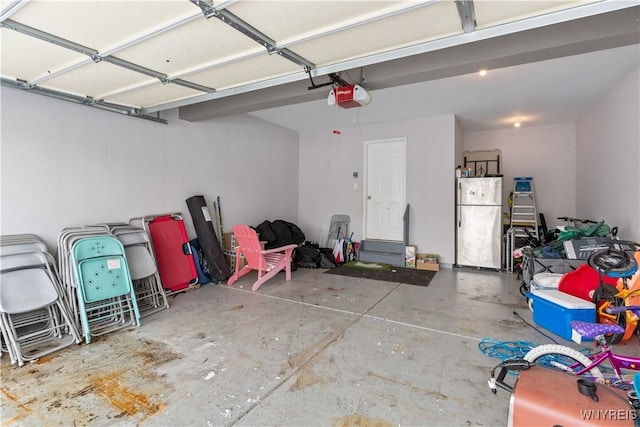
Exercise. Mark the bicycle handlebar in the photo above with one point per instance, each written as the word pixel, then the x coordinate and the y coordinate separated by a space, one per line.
pixel 574 220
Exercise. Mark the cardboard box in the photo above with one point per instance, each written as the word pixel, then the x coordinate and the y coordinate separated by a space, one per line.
pixel 554 310
pixel 228 250
pixel 410 256
pixel 427 262
pixel 226 240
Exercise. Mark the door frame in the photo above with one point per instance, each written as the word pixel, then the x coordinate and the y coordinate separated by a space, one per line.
pixel 365 178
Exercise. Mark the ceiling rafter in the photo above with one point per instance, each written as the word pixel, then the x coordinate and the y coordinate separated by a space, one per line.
pixel 178 76
pixel 253 33
pixel 83 100
pixel 405 8
pixel 50 38
pixel 122 46
pixel 96 57
pixel 467 15
pixel 208 10
pixel 12 8
pixel 309 37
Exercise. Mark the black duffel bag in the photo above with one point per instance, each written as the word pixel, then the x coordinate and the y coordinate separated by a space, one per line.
pixel 307 255
pixel 310 255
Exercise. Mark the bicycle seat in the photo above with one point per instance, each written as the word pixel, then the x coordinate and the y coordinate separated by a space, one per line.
pixel 592 330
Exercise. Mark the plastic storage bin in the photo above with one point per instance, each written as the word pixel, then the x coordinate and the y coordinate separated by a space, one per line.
pixel 543 282
pixel 553 310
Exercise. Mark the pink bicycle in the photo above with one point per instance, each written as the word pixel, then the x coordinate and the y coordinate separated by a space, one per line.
pixel 567 359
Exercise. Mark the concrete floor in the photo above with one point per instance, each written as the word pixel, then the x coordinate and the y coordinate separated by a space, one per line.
pixel 319 350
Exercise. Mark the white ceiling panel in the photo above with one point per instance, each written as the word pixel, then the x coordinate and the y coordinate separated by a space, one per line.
pixel 27 58
pixel 150 53
pixel 491 13
pixel 287 21
pixel 95 80
pixel 246 71
pixel 394 32
pixel 102 24
pixel 153 94
pixel 197 44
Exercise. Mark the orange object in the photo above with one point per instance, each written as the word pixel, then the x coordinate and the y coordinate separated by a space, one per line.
pixel 629 296
pixel 633 283
pixel 544 397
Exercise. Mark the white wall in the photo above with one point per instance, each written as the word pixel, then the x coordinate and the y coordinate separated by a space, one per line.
pixel 608 181
pixel 459 140
pixel 327 163
pixel 546 153
pixel 65 164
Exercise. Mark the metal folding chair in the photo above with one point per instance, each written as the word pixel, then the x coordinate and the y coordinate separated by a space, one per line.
pixel 34 319
pixel 106 298
pixel 338 229
pixel 142 266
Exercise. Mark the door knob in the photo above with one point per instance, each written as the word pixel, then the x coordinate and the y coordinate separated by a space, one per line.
pixel 369 197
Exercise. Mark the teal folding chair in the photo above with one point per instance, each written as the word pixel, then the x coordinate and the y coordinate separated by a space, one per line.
pixel 106 297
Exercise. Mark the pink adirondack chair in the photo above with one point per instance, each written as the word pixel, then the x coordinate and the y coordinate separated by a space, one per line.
pixel 267 262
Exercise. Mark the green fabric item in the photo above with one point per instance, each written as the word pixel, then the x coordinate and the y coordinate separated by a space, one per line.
pixel 569 233
pixel 600 230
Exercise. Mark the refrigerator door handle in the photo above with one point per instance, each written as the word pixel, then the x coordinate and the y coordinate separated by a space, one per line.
pixel 459 216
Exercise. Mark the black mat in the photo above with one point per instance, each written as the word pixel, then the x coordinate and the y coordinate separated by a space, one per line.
pixel 411 276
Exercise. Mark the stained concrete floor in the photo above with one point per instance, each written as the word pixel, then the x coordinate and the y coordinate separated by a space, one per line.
pixel 320 350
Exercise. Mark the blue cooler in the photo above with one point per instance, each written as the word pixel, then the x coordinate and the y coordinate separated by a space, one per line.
pixel 554 310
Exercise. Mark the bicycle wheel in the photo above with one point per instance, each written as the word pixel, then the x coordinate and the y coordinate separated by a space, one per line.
pixel 561 358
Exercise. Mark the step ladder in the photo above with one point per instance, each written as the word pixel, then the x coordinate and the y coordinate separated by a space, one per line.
pixel 524 217
pixel 523 208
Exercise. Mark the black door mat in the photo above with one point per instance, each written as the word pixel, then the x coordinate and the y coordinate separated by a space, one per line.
pixel 384 272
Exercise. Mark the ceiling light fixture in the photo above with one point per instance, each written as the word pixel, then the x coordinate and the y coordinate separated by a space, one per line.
pixel 517 124
pixel 482 72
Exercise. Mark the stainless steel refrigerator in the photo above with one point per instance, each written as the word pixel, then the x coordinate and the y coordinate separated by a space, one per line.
pixel 479 222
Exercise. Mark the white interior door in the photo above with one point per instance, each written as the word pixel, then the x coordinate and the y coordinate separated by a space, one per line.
pixel 385 165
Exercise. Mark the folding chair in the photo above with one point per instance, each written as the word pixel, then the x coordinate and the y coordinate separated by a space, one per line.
pixel 150 295
pixel 106 297
pixel 34 320
pixel 171 251
pixel 338 229
pixel 66 239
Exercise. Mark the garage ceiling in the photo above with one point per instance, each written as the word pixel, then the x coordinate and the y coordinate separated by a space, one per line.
pixel 222 57
pixel 541 93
